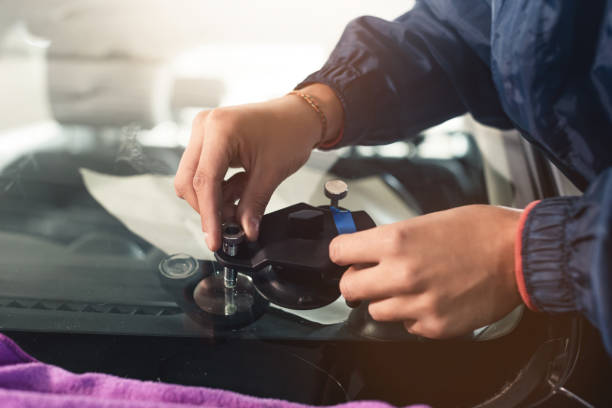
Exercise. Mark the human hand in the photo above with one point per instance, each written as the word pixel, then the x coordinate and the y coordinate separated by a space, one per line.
pixel 443 274
pixel 269 140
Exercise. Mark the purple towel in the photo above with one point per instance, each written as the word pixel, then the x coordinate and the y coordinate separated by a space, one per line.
pixel 26 382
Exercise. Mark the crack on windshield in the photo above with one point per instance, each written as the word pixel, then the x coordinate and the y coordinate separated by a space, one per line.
pixel 132 153
pixel 11 177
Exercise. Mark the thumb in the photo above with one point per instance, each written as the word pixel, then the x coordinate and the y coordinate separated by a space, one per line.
pixel 253 203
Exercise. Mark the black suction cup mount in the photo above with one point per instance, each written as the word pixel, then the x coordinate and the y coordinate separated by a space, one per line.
pixel 289 263
pixel 289 266
pixel 294 290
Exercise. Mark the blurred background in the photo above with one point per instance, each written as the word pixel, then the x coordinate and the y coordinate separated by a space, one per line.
pixel 153 63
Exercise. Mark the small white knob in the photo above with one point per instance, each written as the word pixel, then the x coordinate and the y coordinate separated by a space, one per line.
pixel 336 190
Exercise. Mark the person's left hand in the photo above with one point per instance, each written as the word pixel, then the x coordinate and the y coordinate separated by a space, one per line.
pixel 443 274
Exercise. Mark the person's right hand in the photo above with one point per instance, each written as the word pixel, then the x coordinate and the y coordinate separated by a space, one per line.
pixel 269 140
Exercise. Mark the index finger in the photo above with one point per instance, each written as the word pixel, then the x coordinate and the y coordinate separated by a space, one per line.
pixel 356 248
pixel 207 183
pixel 183 181
pixel 367 282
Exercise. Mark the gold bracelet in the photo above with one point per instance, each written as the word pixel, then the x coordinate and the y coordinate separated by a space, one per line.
pixel 310 100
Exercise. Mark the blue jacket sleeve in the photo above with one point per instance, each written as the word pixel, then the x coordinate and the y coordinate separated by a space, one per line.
pixel 396 78
pixel 567 255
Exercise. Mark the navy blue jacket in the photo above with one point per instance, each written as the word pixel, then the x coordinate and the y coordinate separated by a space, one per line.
pixel 542 67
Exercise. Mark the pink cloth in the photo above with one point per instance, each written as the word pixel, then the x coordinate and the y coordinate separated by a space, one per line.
pixel 26 382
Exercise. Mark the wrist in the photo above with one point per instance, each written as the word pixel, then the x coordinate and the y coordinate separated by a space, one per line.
pixel 510 224
pixel 326 100
pixel 518 257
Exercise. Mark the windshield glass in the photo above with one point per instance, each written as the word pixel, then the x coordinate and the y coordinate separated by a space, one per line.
pixel 91 136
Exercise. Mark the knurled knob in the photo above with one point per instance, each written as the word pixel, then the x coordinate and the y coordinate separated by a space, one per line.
pixel 233 236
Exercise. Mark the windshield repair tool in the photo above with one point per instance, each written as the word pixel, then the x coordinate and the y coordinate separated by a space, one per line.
pixel 288 266
pixel 289 263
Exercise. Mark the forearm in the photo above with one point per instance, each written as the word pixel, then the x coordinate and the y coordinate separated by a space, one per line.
pixel 395 78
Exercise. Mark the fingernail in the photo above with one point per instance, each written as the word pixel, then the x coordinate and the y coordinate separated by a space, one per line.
pixel 207 240
pixel 333 251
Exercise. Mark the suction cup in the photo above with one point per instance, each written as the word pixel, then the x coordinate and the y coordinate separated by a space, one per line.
pixel 295 290
pixel 225 306
pixel 363 325
pixel 199 288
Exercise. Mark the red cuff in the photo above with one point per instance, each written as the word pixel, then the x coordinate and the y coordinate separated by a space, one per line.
pixel 518 257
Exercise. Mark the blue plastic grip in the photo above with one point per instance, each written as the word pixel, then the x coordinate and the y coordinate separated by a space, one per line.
pixel 344 221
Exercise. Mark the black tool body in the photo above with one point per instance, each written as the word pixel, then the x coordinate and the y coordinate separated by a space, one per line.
pixel 289 263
